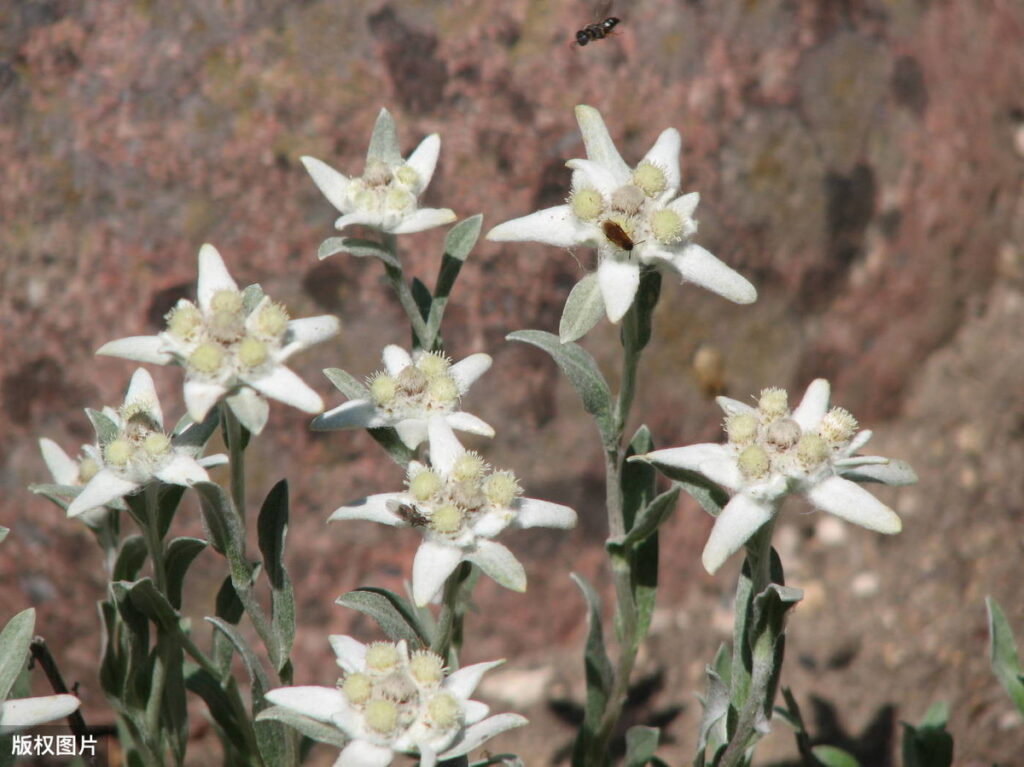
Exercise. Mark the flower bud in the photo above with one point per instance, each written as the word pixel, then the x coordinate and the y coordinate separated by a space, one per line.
pixel 272 321
pixel 468 466
pixel 586 203
pixel 433 364
pixel 741 428
pixel 501 489
pixel 812 450
pixel 446 519
pixel 381 656
pixel 184 321
pixel 252 352
pixel 412 380
pixel 838 426
pixel 754 463
pixel 381 715
pixel 229 301
pixel 650 178
pixel 377 173
pixel 426 667
pixel 628 199
pixel 357 688
pixel 425 485
pixel 407 176
pixel 383 389
pixel 773 403
pixel 783 433
pixel 666 226
pixel 156 444
pixel 87 469
pixel 400 200
pixel 206 358
pixel 443 391
pixel 117 453
pixel 444 710
pixel 226 326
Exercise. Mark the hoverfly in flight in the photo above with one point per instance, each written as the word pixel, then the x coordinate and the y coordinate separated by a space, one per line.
pixel 599 30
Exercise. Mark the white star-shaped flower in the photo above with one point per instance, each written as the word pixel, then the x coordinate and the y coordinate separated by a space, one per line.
pixel 71 475
pixel 134 451
pixel 409 392
pixel 385 196
pixel 773 452
pixel 459 504
pixel 230 350
pixel 392 701
pixel 632 216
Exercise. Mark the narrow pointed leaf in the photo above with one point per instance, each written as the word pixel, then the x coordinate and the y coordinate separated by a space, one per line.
pixel 251 296
pixel 106 430
pixel 346 383
pixel 641 743
pixel 130 558
pixel 181 552
pixel 598 670
pixel 582 372
pixel 1002 653
pixel 272 527
pixel 928 744
pixel 462 237
pixel 830 756
pixel 356 247
pixel 395 616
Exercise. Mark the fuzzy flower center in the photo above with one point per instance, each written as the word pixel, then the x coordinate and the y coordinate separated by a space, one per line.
pixel 424 387
pixel 770 441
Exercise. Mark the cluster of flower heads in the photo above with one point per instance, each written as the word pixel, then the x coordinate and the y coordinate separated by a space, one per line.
pixel 392 701
pixel 459 504
pixel 772 452
pixel 233 346
pixel 132 450
pixel 632 216
pixel 385 196
pixel 409 392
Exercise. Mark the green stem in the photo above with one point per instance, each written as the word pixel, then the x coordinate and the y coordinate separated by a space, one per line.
pixel 396 276
pixel 759 560
pixel 449 621
pixel 154 541
pixel 626 609
pixel 235 438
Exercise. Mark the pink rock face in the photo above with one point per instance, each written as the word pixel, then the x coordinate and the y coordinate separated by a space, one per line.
pixel 861 163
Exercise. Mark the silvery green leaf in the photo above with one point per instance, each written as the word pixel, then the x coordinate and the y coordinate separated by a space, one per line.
pixel 251 297
pixel 106 429
pixel 636 330
pixel 180 554
pixel 168 500
pixel 130 558
pixel 219 699
pixel 355 246
pixel 893 472
pixel 716 706
pixel 641 743
pixel 462 237
pixel 583 309
pixel 61 495
pixel 272 528
pixel 389 440
pixel 598 669
pixel 705 492
pixel 384 140
pixel 582 372
pixel 14 643
pixel 3 530
pixel 311 728
pixel 150 602
pixel 1002 653
pixel 395 616
pixel 652 517
pixel 346 383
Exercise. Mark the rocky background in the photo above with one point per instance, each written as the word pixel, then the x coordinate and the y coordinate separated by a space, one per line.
pixel 861 161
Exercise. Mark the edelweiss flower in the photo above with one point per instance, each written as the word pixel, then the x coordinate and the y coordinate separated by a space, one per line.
pixel 773 452
pixel 384 197
pixel 134 450
pixel 458 503
pixel 409 392
pixel 632 216
pixel 71 475
pixel 232 350
pixel 390 701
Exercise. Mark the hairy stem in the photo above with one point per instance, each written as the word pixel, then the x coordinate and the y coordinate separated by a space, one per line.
pixel 396 276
